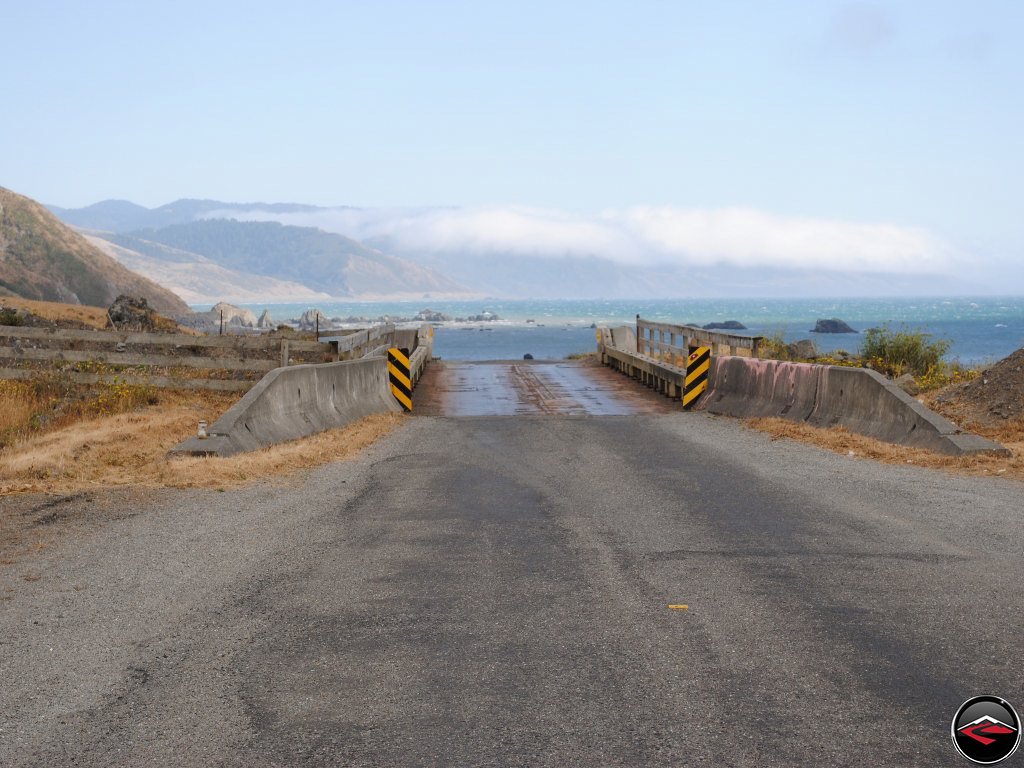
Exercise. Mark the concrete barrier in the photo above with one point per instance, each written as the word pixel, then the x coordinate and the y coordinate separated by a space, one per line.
pixel 866 402
pixel 858 399
pixel 624 338
pixel 750 388
pixel 293 402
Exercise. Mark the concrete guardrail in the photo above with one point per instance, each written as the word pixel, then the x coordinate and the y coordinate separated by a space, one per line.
pixel 858 399
pixel 300 400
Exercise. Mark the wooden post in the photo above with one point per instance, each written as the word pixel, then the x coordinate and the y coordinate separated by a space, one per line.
pixel 284 353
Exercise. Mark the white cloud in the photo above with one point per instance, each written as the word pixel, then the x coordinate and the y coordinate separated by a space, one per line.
pixel 643 235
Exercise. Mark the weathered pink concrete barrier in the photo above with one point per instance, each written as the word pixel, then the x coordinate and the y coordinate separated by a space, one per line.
pixel 861 400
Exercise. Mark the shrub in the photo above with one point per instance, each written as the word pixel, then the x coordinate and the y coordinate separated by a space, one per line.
pixel 773 347
pixel 897 352
pixel 10 317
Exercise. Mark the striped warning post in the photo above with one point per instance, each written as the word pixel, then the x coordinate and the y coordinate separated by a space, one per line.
pixel 697 366
pixel 399 375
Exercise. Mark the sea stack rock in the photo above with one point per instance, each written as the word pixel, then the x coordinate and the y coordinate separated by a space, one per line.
pixel 430 316
pixel 236 316
pixel 308 321
pixel 728 325
pixel 835 325
pixel 266 322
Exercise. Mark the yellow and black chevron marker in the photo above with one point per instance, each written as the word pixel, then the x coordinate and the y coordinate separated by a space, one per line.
pixel 697 366
pixel 399 375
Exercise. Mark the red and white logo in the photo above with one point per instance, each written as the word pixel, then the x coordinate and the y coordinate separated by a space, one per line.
pixel 986 730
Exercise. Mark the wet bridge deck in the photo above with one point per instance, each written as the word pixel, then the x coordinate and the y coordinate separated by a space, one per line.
pixel 531 388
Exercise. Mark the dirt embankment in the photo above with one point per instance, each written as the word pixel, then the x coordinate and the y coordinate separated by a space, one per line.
pixel 994 400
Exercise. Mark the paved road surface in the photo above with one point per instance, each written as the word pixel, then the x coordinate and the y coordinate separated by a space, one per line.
pixel 531 388
pixel 494 591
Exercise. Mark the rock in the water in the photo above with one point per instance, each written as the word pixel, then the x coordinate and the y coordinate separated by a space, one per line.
pixel 430 316
pixel 483 317
pixel 266 322
pixel 129 312
pixel 907 384
pixel 236 316
pixel 527 356
pixel 804 349
pixel 728 325
pixel 308 321
pixel 835 325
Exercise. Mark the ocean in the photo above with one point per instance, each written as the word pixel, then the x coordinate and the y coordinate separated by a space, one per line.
pixel 980 329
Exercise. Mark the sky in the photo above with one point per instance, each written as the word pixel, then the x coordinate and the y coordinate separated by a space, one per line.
pixel 796 131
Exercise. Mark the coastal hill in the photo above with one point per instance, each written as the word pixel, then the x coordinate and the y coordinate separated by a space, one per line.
pixel 304 257
pixel 460 263
pixel 42 258
pixel 199 280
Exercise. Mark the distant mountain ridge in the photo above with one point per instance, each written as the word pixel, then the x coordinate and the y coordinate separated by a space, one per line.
pixel 472 262
pixel 122 216
pixel 42 258
pixel 197 279
pixel 297 258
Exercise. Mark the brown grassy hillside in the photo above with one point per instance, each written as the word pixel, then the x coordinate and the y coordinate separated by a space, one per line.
pixel 41 258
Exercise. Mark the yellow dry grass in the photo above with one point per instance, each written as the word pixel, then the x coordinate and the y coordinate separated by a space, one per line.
pixel 96 317
pixel 128 449
pixel 52 310
pixel 841 440
pixel 18 404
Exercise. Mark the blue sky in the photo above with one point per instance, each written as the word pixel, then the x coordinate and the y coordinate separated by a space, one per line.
pixel 890 114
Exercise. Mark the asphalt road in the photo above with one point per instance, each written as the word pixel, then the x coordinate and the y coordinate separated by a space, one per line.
pixel 493 590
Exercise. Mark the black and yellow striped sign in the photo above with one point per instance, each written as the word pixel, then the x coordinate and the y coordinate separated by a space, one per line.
pixel 697 366
pixel 399 375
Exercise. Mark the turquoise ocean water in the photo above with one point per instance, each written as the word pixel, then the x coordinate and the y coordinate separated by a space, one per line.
pixel 980 329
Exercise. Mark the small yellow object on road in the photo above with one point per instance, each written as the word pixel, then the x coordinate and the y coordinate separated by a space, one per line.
pixel 678 607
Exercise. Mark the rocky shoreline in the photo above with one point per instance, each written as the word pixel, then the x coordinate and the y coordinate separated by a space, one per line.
pixel 240 320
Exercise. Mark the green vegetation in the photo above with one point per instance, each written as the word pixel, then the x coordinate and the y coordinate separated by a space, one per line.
pixel 773 347
pixel 10 317
pixel 892 353
pixel 897 352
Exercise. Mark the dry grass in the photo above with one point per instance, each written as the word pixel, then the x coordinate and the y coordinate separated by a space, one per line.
pixel 55 311
pixel 841 440
pixel 128 449
pixel 51 401
pixel 19 404
pixel 94 317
